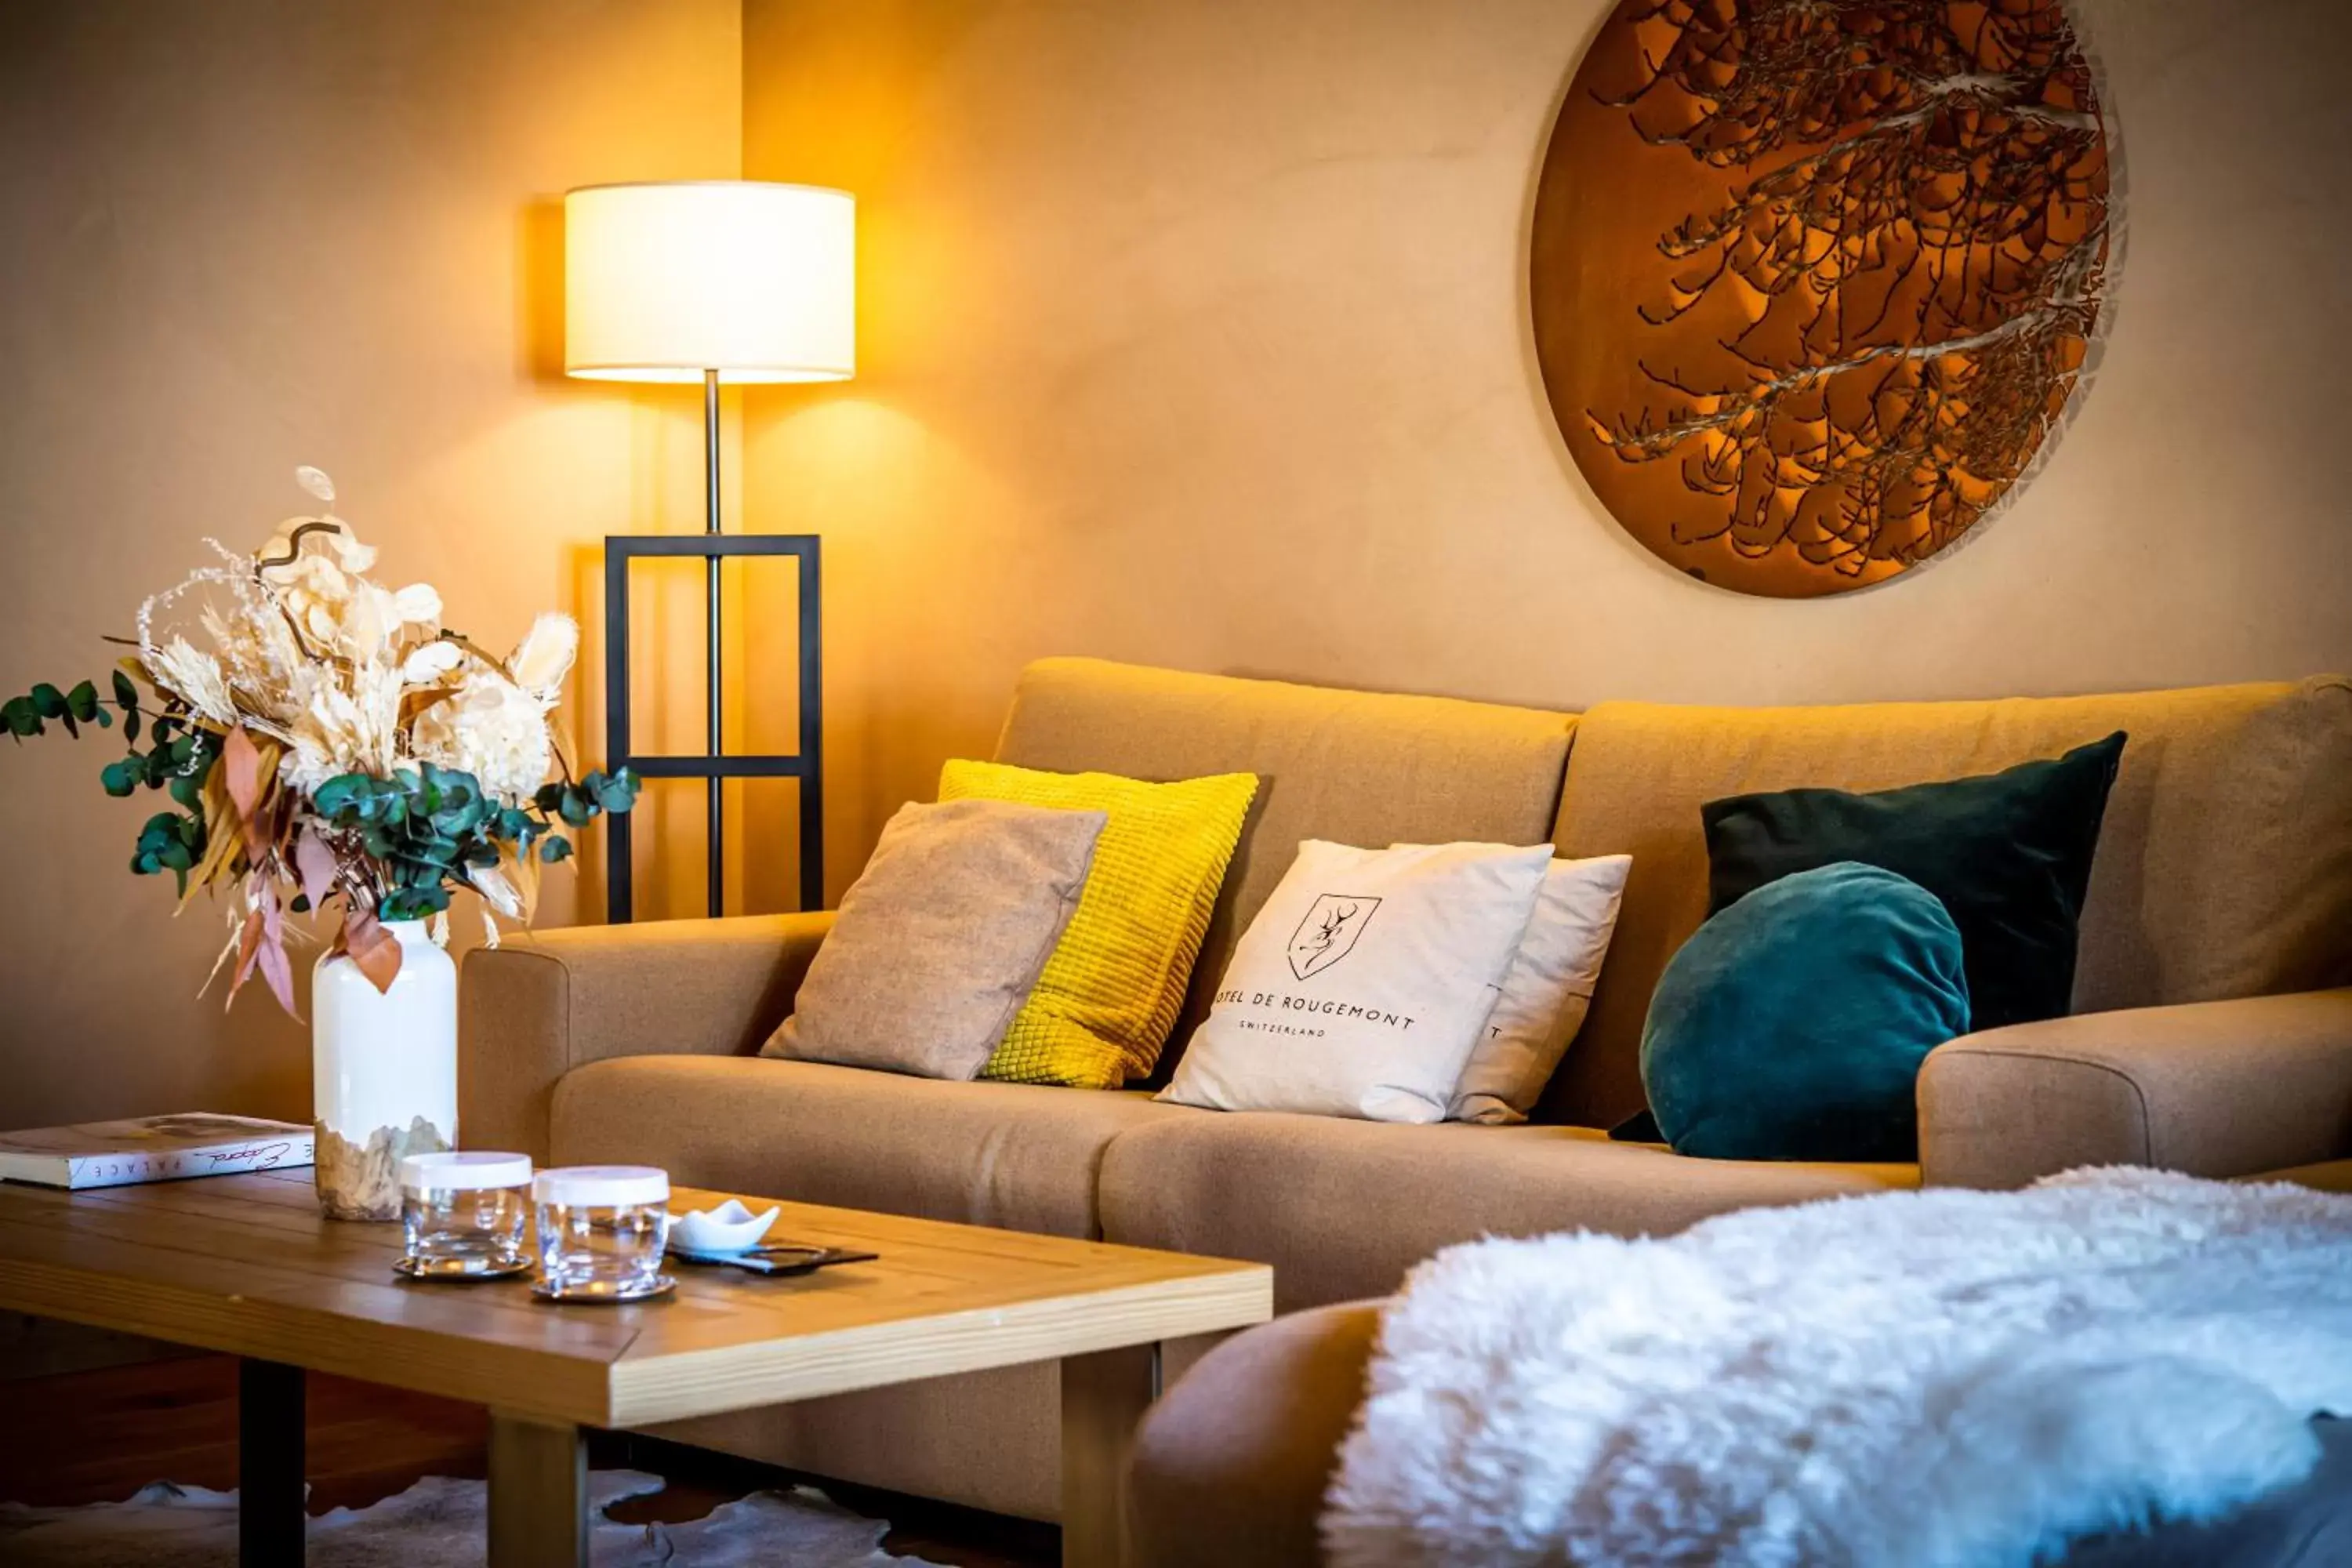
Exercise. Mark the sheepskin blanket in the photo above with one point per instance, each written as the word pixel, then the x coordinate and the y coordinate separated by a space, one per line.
pixel 1906 1380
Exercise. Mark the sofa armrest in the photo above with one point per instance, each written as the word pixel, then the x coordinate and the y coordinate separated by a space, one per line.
pixel 534 1009
pixel 1231 1466
pixel 2214 1089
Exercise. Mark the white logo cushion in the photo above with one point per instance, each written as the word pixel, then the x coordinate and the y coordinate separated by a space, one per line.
pixel 1545 992
pixel 1363 985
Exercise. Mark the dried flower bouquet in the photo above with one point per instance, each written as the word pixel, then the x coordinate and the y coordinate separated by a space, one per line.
pixel 332 748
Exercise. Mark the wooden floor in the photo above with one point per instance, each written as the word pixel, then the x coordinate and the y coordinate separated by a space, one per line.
pixel 99 1435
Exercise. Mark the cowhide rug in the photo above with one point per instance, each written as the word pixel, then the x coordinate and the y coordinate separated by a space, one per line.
pixel 439 1523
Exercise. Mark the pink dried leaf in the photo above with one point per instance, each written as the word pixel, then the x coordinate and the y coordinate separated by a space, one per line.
pixel 248 951
pixel 279 975
pixel 274 967
pixel 241 771
pixel 316 865
pixel 376 950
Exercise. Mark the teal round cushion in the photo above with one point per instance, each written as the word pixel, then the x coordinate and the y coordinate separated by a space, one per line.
pixel 1792 1025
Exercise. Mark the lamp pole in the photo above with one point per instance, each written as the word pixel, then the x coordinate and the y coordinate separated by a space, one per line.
pixel 718 876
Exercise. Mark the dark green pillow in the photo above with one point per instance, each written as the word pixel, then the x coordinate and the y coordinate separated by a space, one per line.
pixel 2008 853
pixel 1792 1025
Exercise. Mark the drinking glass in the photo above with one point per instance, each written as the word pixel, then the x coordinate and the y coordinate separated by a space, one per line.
pixel 602 1230
pixel 464 1215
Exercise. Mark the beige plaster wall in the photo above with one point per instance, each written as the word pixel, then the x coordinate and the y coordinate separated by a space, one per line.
pixel 242 235
pixel 1194 332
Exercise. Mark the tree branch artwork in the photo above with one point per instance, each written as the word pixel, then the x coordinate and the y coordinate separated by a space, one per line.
pixel 1814 280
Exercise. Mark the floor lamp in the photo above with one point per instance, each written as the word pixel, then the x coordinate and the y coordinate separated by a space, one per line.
pixel 714 281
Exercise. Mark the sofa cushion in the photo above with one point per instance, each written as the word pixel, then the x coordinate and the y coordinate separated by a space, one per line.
pixel 939 941
pixel 1792 1025
pixel 1109 993
pixel 1353 767
pixel 2007 855
pixel 1342 1208
pixel 1364 984
pixel 1545 993
pixel 2224 865
pixel 1018 1156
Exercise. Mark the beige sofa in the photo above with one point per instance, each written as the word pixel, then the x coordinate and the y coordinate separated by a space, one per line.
pixel 2220 911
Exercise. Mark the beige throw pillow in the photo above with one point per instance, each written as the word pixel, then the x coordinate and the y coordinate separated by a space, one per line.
pixel 941 939
pixel 1361 985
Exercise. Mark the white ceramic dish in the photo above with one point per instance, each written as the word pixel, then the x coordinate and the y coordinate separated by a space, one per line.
pixel 729 1227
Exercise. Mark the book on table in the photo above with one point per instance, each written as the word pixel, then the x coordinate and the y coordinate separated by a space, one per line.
pixel 150 1149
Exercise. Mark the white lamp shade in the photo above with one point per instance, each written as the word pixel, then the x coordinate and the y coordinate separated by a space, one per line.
pixel 663 282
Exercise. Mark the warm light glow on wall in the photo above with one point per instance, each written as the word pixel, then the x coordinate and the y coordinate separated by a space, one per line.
pixel 663 282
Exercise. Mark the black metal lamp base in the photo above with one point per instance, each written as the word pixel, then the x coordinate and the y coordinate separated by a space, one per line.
pixel 619 550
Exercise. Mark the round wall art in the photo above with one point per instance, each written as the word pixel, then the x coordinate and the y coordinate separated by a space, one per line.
pixel 1814 280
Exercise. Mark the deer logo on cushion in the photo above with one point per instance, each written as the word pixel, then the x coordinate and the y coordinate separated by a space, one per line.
pixel 1329 933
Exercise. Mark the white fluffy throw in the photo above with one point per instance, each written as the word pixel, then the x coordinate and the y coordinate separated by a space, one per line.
pixel 1908 1380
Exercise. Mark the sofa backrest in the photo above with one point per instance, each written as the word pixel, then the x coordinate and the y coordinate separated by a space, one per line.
pixel 1351 766
pixel 2224 865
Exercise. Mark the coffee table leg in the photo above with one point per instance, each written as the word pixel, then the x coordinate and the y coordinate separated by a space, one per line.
pixel 1103 1397
pixel 539 1493
pixel 270 1515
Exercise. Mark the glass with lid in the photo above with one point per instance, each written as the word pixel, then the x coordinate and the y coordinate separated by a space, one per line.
pixel 465 1215
pixel 602 1230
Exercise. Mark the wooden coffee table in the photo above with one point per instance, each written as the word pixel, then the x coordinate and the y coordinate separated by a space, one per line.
pixel 245 1265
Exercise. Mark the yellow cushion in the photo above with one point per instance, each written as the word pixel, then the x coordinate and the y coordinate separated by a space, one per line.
pixel 1109 994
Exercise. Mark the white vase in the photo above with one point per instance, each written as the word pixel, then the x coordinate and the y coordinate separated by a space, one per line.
pixel 383 1072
